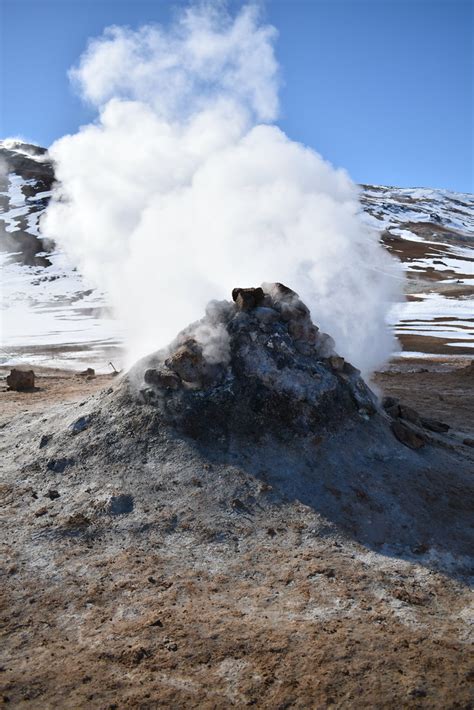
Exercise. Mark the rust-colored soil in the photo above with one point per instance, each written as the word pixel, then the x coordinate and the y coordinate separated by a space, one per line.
pixel 291 618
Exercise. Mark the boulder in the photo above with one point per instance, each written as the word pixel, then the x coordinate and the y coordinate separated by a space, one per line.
pixel 408 435
pixel 434 425
pixel 21 380
pixel 188 362
pixel 248 298
pixel 409 414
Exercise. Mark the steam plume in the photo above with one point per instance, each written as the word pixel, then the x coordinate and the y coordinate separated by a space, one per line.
pixel 183 189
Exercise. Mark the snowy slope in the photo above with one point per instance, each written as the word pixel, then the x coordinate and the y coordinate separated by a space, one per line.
pixel 49 315
pixel 432 232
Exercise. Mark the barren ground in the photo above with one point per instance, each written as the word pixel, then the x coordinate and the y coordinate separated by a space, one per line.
pixel 282 617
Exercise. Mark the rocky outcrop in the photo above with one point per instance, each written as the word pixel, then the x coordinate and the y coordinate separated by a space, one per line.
pixel 30 172
pixel 408 426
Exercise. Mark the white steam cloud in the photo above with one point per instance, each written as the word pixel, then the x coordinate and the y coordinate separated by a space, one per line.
pixel 182 189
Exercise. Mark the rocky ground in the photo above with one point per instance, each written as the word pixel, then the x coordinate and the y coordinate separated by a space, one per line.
pixel 143 567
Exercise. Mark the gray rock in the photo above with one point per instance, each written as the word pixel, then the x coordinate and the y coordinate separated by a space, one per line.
pixel 188 362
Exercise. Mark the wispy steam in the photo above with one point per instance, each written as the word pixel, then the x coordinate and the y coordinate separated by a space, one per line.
pixel 179 191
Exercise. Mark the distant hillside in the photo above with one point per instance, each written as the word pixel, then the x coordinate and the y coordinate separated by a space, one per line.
pixel 48 308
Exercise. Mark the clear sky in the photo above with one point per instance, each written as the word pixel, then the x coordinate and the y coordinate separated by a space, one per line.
pixel 383 88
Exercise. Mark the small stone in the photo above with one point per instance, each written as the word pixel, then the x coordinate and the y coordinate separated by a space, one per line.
pixel 247 298
pixel 40 512
pixel 418 693
pixel 120 505
pixel 238 505
pixel 45 439
pixel 21 380
pixel 408 435
pixel 80 424
pixel 59 465
pixel 468 441
pixel 157 622
pixel 337 363
pixel 52 494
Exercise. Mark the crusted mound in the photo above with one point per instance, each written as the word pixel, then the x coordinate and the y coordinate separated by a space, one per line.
pixel 253 367
pixel 255 396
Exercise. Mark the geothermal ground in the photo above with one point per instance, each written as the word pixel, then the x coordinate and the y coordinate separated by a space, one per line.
pixel 144 565
pixel 159 555
pixel 277 609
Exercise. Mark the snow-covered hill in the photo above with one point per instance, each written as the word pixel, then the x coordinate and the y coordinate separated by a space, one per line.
pixel 50 315
pixel 432 232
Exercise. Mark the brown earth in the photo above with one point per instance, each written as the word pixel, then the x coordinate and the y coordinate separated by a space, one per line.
pixel 287 616
pixel 432 344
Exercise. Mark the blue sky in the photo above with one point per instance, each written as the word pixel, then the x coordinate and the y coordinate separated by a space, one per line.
pixel 383 88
